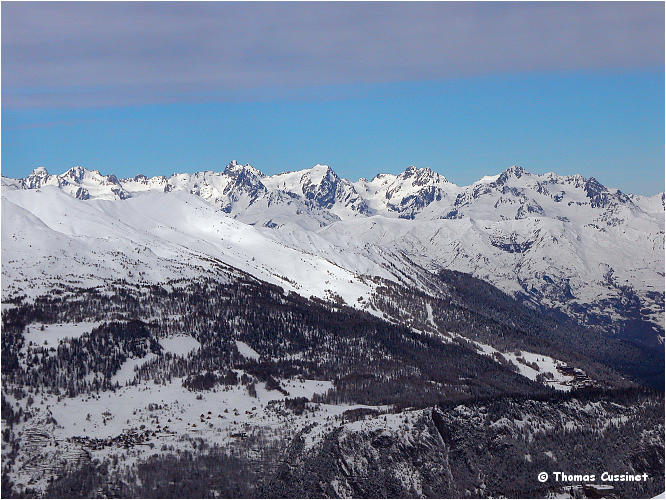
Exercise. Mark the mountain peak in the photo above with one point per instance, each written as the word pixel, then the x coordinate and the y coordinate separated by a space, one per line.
pixel 423 175
pixel 234 168
pixel 405 194
pixel 516 171
pixel 322 169
pixel 76 173
pixel 318 174
pixel 40 172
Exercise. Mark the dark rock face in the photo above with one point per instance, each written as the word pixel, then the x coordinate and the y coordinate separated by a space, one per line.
pixel 364 465
pixel 35 180
pixel 416 202
pixel 512 246
pixel 514 171
pixel 246 179
pixel 597 193
pixel 324 193
pixel 112 179
pixel 601 197
pixel 528 209
pixel 76 174
pixel 121 193
pixel 480 450
pixel 82 194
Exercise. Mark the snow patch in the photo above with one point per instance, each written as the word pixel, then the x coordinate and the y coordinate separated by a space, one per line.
pixel 247 351
pixel 180 345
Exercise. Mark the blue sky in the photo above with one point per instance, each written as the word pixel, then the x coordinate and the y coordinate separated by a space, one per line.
pixel 583 96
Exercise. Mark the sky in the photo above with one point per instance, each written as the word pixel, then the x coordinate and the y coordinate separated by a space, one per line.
pixel 467 89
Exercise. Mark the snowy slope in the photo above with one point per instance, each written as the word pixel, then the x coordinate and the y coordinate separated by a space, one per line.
pixel 553 262
pixel 50 238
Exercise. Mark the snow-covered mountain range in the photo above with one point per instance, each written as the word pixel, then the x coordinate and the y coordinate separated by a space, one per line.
pixel 302 325
pixel 562 242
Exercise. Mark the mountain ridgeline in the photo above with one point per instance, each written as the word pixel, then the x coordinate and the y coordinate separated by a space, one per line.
pixel 564 242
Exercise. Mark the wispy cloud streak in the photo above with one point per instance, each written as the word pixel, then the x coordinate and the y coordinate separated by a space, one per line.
pixel 115 53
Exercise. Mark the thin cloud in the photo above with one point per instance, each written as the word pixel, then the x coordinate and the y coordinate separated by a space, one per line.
pixel 117 53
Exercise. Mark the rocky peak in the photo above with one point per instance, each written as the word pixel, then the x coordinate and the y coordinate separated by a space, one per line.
pixel 422 175
pixel 319 173
pixel 409 171
pixel 244 178
pixel 594 188
pixel 36 179
pixel 75 174
pixel 235 169
pixel 320 184
pixel 413 190
pixel 112 179
pixel 513 172
pixel 516 171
